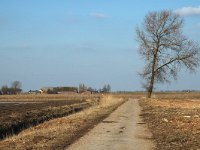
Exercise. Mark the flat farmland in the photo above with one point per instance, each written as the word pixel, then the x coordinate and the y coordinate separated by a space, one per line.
pixel 61 132
pixel 173 119
pixel 22 111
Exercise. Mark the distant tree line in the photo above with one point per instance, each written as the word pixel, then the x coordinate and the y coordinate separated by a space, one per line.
pixel 106 89
pixel 57 90
pixel 83 88
pixel 14 89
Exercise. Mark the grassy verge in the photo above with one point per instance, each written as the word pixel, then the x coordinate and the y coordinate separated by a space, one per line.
pixel 175 124
pixel 47 97
pixel 61 132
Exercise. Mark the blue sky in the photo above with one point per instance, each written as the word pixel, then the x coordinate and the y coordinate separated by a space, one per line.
pixel 67 42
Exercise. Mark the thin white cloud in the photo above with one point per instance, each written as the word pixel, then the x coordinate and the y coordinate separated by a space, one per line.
pixel 98 15
pixel 188 11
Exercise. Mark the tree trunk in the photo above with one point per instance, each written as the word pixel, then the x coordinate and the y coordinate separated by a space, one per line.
pixel 150 89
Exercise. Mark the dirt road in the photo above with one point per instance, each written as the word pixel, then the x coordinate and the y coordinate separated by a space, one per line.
pixel 122 130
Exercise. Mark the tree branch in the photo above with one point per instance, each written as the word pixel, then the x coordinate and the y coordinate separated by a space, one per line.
pixel 172 60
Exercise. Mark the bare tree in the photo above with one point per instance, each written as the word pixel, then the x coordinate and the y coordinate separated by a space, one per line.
pixel 16 84
pixel 106 88
pixel 164 48
pixel 82 88
pixel 16 87
pixel 5 89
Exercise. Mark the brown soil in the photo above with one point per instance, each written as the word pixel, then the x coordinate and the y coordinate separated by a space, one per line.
pixel 175 123
pixel 18 115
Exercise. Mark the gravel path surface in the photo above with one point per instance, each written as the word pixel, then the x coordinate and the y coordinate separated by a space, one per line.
pixel 122 130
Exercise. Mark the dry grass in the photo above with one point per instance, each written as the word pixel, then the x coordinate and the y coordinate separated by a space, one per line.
pixel 58 133
pixel 175 123
pixel 169 103
pixel 109 100
pixel 47 97
pixel 176 95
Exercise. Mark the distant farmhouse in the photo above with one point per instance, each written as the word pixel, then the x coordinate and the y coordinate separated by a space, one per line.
pixel 58 90
pixel 90 91
pixel 34 91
